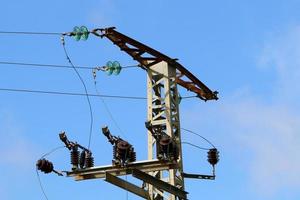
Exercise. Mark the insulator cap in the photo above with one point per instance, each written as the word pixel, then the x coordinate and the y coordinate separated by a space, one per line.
pixel 80 33
pixel 82 159
pixel 44 165
pixel 123 145
pixel 89 160
pixel 74 157
pixel 165 140
pixel 213 156
pixel 113 68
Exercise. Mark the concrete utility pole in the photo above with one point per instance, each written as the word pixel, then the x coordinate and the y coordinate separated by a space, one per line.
pixel 162 174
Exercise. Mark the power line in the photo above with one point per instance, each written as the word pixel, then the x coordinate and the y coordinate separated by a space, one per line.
pixel 74 94
pixel 188 143
pixel 109 112
pixel 70 93
pixel 54 65
pixel 37 172
pixel 30 33
pixel 85 89
pixel 187 130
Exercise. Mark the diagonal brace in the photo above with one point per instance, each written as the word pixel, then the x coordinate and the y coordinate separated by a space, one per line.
pixel 159 183
pixel 126 185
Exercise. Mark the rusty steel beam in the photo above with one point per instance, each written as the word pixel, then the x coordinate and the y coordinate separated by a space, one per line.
pixel 136 49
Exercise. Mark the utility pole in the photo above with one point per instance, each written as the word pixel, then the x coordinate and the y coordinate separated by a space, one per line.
pixel 163 112
pixel 162 174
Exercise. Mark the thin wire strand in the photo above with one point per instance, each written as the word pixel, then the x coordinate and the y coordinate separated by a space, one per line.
pixel 187 130
pixel 69 93
pixel 37 172
pixel 29 33
pixel 109 112
pixel 188 143
pixel 52 151
pixel 85 89
pixel 41 184
pixel 55 65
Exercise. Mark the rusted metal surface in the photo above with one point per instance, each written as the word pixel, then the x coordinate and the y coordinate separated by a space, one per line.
pixel 136 50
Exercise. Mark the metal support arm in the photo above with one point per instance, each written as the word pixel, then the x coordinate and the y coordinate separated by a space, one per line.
pixel 159 184
pixel 136 50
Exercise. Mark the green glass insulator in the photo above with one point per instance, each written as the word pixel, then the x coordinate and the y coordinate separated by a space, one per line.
pixel 117 68
pixel 77 33
pixel 84 33
pixel 109 68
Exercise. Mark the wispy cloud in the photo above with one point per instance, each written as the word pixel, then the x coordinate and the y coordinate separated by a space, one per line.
pixel 271 129
pixel 266 131
pixel 270 133
pixel 282 53
pixel 102 14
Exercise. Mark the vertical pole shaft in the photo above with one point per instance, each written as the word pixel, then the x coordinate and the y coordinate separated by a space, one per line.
pixel 163 111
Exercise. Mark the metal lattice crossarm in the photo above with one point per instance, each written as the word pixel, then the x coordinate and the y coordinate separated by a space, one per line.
pixel 148 57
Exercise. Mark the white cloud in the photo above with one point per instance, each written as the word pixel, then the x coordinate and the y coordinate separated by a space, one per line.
pixel 271 130
pixel 102 14
pixel 270 133
pixel 282 53
pixel 264 135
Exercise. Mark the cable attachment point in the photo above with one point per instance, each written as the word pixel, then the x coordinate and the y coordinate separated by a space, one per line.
pixel 167 148
pixel 83 159
pixel 113 68
pixel 80 33
pixel 110 68
pixel 123 152
pixel 213 157
pixel 47 167
pixel 95 69
pixel 62 40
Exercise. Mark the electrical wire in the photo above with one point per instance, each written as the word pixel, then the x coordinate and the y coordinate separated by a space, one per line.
pixel 37 172
pixel 52 151
pixel 55 65
pixel 109 112
pixel 187 130
pixel 188 143
pixel 29 33
pixel 41 184
pixel 85 89
pixel 70 93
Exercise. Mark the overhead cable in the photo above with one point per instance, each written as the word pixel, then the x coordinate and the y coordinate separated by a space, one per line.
pixel 37 172
pixel 188 143
pixel 55 65
pixel 109 112
pixel 76 94
pixel 187 130
pixel 73 93
pixel 30 33
pixel 85 89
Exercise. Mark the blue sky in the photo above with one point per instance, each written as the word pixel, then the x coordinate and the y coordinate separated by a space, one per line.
pixel 247 50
